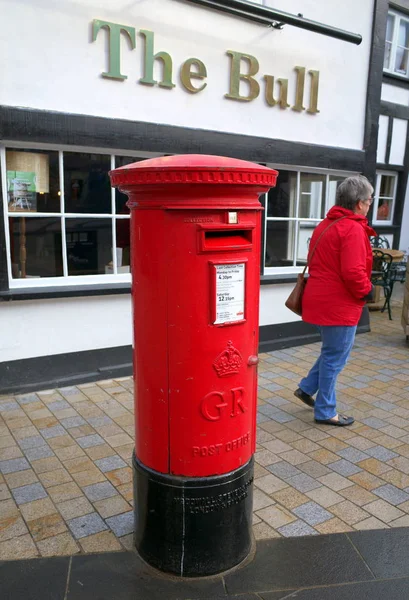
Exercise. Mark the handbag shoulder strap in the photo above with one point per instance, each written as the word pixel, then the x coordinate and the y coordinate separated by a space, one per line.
pixel 316 243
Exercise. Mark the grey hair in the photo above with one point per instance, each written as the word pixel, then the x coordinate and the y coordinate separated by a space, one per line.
pixel 352 190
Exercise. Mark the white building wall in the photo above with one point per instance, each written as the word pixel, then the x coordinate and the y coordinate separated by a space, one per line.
pixel 394 94
pixel 56 66
pixel 272 304
pixel 398 143
pixel 382 139
pixel 57 326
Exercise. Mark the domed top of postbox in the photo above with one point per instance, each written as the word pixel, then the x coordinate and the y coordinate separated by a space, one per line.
pixel 193 169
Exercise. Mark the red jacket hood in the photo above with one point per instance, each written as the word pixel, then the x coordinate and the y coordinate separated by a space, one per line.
pixel 336 212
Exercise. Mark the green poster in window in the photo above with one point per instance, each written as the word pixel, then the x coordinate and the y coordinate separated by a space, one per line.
pixel 21 191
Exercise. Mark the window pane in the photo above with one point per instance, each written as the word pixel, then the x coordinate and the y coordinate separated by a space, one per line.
pixel 33 182
pixel 389 28
pixel 312 196
pixel 35 247
pixel 387 57
pixel 384 212
pixel 87 188
pixel 123 245
pixel 89 246
pixel 403 39
pixel 280 243
pixel 121 199
pixel 305 231
pixel 334 182
pixel 401 62
pixel 282 198
pixel 387 186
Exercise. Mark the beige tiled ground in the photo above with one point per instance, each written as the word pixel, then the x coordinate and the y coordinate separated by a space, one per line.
pixel 65 455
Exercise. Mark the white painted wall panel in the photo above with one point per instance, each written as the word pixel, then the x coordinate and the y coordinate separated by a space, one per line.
pixel 398 144
pixel 394 94
pixel 382 138
pixel 47 327
pixel 272 304
pixel 55 66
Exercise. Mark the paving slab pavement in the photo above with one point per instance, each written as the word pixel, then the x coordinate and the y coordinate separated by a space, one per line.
pixel 368 565
pixel 65 455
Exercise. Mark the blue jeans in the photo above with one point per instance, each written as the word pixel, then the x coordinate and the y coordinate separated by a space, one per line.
pixel 337 342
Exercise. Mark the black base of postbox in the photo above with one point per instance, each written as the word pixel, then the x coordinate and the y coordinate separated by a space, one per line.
pixel 193 527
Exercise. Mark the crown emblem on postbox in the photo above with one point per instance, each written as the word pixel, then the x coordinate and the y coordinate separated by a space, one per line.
pixel 228 362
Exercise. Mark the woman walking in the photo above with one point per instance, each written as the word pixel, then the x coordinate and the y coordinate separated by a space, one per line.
pixel 338 286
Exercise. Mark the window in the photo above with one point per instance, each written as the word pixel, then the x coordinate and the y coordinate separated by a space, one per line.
pixel 65 222
pixel 66 225
pixel 384 200
pixel 396 45
pixel 294 208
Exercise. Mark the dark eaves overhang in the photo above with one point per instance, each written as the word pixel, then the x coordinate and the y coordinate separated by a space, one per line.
pixel 276 18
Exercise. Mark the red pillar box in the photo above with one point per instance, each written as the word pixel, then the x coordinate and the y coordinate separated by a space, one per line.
pixel 195 248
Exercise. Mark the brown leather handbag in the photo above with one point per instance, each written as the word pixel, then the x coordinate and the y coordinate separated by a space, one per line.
pixel 294 300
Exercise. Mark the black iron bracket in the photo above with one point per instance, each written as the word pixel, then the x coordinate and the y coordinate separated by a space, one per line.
pixel 276 18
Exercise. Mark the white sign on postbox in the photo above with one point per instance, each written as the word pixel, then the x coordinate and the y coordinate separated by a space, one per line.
pixel 229 293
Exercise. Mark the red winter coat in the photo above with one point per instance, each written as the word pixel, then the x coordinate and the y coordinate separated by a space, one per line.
pixel 340 270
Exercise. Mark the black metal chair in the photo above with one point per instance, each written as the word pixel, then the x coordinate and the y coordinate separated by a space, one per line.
pixel 398 272
pixel 379 241
pixel 382 277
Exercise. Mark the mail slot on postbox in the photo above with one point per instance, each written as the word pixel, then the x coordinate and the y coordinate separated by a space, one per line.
pixel 195 261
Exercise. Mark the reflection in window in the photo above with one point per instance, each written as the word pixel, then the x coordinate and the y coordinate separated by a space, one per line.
pixel 388 41
pixel 120 198
pixel 282 198
pixel 401 65
pixel 384 210
pixel 294 209
pixel 333 185
pixel 85 218
pixel 312 196
pixel 87 187
pixel 305 231
pixel 35 246
pixel 387 186
pixel 385 193
pixel 396 44
pixel 286 241
pixel 89 246
pixel 280 244
pixel 123 245
pixel 32 181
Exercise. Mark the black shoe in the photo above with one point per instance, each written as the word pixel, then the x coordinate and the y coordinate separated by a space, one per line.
pixel 306 398
pixel 343 421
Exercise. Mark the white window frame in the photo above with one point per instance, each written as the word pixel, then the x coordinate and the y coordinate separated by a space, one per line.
pixel 395 35
pixel 379 175
pixel 296 219
pixel 65 279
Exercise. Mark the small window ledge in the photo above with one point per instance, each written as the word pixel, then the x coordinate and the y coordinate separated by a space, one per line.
pixel 41 293
pixel 65 291
pixel 278 278
pixel 400 80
